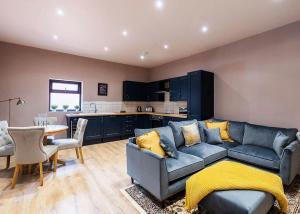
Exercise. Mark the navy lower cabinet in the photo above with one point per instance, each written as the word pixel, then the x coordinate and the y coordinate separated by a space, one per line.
pixel 129 123
pixel 112 126
pixel 167 119
pixel 93 131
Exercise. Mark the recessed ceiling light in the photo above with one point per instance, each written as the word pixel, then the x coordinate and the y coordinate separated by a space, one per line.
pixel 159 4
pixel 204 29
pixel 60 12
pixel 124 33
pixel 55 37
pixel 142 57
pixel 166 46
pixel 106 48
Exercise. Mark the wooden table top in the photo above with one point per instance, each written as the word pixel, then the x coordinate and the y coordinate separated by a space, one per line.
pixel 55 129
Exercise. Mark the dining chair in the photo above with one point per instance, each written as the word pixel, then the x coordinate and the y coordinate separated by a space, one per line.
pixel 76 141
pixel 6 143
pixel 29 149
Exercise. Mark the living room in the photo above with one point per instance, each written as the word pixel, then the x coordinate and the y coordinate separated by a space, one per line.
pixel 107 94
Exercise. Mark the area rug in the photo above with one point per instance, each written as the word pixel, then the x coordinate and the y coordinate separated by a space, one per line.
pixel 147 204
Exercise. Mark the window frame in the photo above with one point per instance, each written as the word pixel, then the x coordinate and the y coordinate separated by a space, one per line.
pixel 51 90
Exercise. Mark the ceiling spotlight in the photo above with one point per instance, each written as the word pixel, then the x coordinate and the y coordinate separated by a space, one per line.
pixel 166 46
pixel 60 12
pixel 124 33
pixel 159 4
pixel 142 57
pixel 106 49
pixel 55 37
pixel 204 29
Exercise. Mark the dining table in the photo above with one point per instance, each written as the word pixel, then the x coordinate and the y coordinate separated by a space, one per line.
pixel 52 130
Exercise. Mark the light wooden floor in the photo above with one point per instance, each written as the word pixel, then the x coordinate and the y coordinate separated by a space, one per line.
pixel 76 188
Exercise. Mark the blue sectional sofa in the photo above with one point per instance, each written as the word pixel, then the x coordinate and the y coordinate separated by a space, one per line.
pixel 253 144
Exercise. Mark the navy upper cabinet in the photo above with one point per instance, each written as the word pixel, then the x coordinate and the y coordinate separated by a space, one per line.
pixel 134 91
pixel 152 92
pixel 200 101
pixel 179 88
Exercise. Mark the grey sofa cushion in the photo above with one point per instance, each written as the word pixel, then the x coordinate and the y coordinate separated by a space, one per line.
pixel 228 145
pixel 236 130
pixel 184 165
pixel 209 153
pixel 166 137
pixel 264 136
pixel 202 126
pixel 238 202
pixel 177 132
pixel 213 136
pixel 256 155
pixel 280 142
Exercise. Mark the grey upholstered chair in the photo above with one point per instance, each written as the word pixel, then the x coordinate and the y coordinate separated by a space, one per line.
pixel 29 149
pixel 76 141
pixel 6 143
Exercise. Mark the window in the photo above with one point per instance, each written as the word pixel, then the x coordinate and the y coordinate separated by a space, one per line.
pixel 64 95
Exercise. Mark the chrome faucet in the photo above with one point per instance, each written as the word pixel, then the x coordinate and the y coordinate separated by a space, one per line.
pixel 95 107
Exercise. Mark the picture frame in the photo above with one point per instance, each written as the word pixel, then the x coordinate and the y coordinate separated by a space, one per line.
pixel 102 89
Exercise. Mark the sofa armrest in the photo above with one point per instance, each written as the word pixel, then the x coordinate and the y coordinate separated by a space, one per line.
pixel 148 169
pixel 290 162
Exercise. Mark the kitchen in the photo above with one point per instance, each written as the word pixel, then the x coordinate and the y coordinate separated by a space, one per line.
pixel 147 105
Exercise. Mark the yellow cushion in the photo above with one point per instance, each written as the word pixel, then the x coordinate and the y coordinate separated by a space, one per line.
pixel 223 126
pixel 191 134
pixel 150 141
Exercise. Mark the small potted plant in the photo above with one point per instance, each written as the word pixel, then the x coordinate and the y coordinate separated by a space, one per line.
pixel 77 107
pixel 54 107
pixel 65 107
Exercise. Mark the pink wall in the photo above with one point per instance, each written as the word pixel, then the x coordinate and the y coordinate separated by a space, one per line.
pixel 257 79
pixel 25 72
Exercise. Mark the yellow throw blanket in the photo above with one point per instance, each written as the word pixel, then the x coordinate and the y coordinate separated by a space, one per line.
pixel 229 175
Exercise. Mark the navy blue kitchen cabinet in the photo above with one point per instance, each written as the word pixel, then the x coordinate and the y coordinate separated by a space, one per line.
pixel 183 88
pixel 200 101
pixel 134 91
pixel 129 123
pixel 174 89
pixel 112 126
pixel 140 91
pixel 167 119
pixel 153 92
pixel 179 88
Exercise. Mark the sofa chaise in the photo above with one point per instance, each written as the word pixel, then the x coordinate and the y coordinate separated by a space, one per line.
pixel 164 177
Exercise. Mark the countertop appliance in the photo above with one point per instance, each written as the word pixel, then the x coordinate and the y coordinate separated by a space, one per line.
pixel 139 109
pixel 156 121
pixel 149 109
pixel 183 110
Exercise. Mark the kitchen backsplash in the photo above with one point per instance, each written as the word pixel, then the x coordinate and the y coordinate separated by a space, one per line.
pixel 104 106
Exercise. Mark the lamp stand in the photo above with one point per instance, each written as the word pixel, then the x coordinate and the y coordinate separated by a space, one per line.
pixel 9 111
pixel 20 102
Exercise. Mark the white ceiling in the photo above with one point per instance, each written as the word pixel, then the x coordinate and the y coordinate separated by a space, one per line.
pixel 89 25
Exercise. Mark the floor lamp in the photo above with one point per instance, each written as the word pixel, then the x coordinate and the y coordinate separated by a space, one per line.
pixel 19 102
